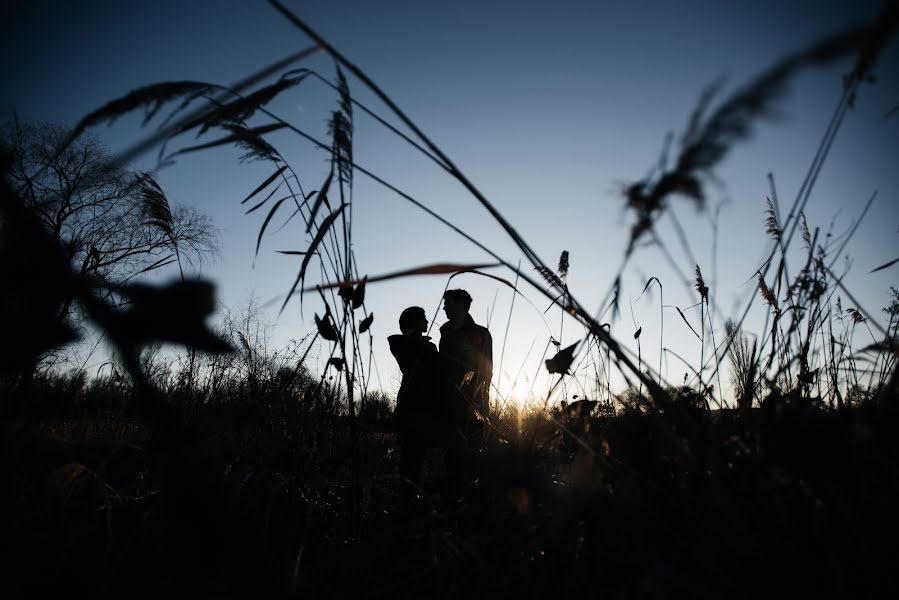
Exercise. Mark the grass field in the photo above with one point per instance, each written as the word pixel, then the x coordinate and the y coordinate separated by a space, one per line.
pixel 234 470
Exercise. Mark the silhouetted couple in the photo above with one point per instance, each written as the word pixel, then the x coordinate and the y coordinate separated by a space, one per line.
pixel 444 397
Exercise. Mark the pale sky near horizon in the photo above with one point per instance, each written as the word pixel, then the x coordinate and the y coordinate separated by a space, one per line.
pixel 548 108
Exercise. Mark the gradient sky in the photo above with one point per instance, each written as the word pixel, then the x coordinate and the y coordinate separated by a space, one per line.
pixel 547 107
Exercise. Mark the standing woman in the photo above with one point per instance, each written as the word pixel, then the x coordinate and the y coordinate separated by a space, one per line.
pixel 418 403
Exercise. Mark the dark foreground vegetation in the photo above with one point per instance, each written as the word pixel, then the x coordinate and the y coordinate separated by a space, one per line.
pixel 242 474
pixel 682 503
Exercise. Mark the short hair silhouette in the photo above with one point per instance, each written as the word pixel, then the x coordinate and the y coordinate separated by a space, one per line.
pixel 413 318
pixel 459 297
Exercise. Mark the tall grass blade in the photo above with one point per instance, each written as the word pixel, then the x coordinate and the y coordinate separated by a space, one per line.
pixel 262 203
pixel 319 236
pixel 884 266
pixel 268 218
pixel 432 269
pixel 321 198
pixel 265 183
pixel 682 316
pixel 248 138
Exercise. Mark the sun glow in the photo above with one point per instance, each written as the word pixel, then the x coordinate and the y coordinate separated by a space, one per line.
pixel 516 396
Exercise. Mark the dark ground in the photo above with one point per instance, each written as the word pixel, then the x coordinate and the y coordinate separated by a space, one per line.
pixel 792 498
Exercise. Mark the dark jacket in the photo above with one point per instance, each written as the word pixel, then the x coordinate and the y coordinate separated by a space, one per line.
pixel 420 403
pixel 467 355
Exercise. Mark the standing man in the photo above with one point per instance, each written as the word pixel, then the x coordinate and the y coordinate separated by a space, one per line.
pixel 467 352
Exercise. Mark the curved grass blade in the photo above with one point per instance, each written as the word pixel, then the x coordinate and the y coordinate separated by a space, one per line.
pixel 319 236
pixel 681 313
pixel 502 280
pixel 264 200
pixel 265 183
pixel 268 218
pixel 162 262
pixel 432 269
pixel 321 198
pixel 885 266
pixel 239 136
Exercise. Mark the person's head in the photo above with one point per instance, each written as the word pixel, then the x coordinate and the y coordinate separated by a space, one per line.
pixel 456 304
pixel 413 319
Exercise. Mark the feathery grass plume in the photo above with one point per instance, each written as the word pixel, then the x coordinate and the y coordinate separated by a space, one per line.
pixel 708 140
pixel 343 88
pixel 550 276
pixel 340 127
pixel 245 344
pixel 341 130
pixel 742 360
pixel 151 98
pixel 872 45
pixel 768 295
pixel 247 138
pixel 155 206
pixel 166 131
pixel 771 299
pixel 806 235
pixel 694 123
pixel 771 226
pixel 239 110
pixel 700 286
pixel 563 264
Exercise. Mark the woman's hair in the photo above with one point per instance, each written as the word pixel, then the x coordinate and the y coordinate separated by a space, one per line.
pixel 413 319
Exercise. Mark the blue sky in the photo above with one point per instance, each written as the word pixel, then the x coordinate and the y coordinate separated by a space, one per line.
pixel 547 107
